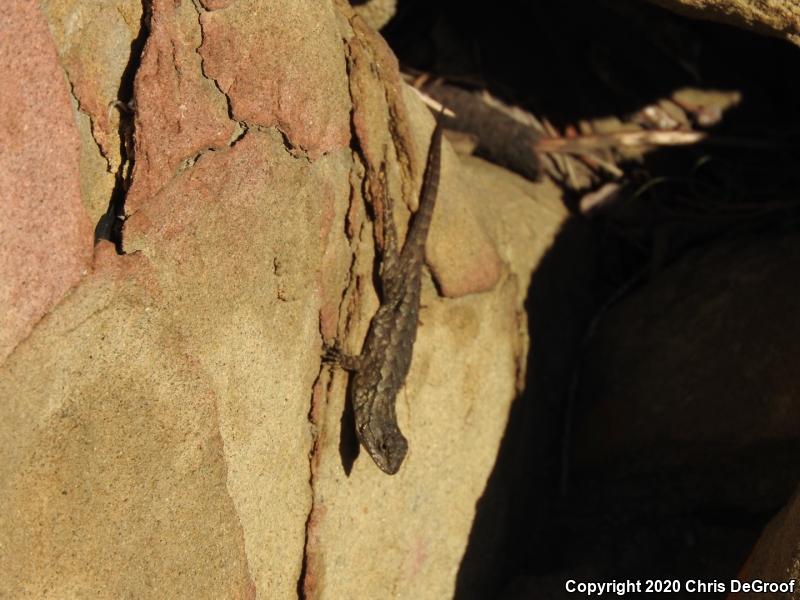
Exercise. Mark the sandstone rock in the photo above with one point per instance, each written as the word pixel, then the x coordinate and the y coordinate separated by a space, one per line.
pixel 98 44
pixel 376 13
pixel 45 235
pixel 168 429
pixel 778 18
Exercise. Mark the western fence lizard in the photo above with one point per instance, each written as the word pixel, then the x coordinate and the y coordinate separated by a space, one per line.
pixel 380 370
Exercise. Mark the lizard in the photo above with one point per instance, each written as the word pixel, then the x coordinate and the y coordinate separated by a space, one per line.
pixel 380 370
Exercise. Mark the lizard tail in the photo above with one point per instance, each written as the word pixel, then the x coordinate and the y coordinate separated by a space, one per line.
pixel 418 232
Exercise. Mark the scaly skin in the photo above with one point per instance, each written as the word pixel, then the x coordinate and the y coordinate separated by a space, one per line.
pixel 381 368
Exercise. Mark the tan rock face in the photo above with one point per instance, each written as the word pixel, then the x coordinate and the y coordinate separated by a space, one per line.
pixel 409 531
pixel 376 13
pixel 779 18
pixel 168 429
pixel 97 43
pixel 114 470
pixel 94 44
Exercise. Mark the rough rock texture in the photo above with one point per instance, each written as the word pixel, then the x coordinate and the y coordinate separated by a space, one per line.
pixel 779 18
pixel 114 469
pixel 281 89
pixel 179 112
pixel 97 45
pixel 45 235
pixel 409 531
pixel 376 12
pixel 168 429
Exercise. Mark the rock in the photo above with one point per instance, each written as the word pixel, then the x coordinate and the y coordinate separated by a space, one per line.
pixel 45 234
pixel 408 532
pixel 376 13
pixel 168 429
pixel 777 18
pixel 98 45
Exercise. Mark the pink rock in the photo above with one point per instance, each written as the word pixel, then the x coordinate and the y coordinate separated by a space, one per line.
pixel 179 112
pixel 45 233
pixel 274 75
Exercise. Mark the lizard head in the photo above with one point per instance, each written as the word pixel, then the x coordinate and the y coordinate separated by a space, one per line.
pixel 386 445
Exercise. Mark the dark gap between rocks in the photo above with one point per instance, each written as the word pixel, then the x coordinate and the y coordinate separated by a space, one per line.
pixel 677 459
pixel 109 227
